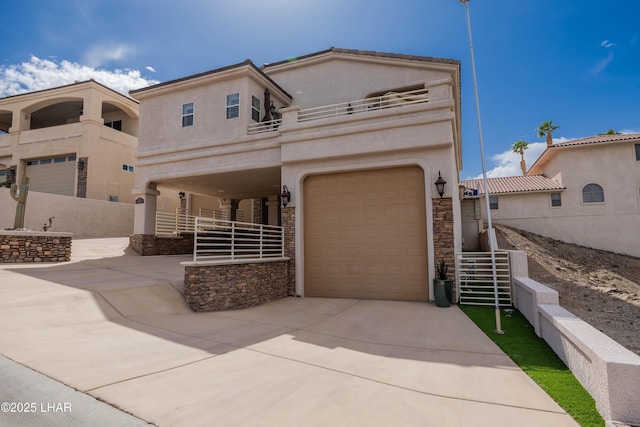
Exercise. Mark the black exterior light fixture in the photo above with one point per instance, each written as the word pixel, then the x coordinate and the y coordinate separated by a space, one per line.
pixel 80 164
pixel 440 185
pixel 285 196
pixel 181 195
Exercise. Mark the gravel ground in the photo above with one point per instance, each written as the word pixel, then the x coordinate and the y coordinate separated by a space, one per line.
pixel 600 287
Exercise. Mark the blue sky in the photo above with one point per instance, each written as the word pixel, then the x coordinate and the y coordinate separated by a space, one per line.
pixel 576 62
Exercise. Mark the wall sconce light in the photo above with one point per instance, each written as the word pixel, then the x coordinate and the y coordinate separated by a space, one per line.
pixel 181 195
pixel 285 196
pixel 440 185
pixel 80 164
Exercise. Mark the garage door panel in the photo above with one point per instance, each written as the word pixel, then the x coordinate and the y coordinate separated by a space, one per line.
pixel 371 244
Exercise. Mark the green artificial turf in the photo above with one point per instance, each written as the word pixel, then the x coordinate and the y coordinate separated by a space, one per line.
pixel 534 356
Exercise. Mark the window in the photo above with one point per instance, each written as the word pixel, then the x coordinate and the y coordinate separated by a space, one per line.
pixel 127 168
pixel 493 202
pixel 255 109
pixel 556 199
pixel 233 106
pixel 638 152
pixel 116 124
pixel 187 115
pixel 592 193
pixel 45 161
pixel 59 160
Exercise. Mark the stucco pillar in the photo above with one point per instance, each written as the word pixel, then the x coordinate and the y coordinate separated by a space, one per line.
pixel 273 204
pixel 230 207
pixel 144 221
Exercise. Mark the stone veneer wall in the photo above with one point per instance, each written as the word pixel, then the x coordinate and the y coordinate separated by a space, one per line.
pixel 288 220
pixel 232 286
pixel 19 247
pixel 150 244
pixel 81 190
pixel 443 243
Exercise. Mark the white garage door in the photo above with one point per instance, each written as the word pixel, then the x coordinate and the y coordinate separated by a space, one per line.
pixel 55 175
pixel 365 235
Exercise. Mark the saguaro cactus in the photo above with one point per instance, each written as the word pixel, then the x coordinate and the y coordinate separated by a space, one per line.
pixel 21 198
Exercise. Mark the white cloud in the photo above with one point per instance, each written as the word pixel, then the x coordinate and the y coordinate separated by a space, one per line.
pixel 39 74
pixel 602 64
pixel 508 162
pixel 150 68
pixel 607 43
pixel 101 54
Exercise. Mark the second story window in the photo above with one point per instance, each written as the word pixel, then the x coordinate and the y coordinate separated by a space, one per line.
pixel 592 193
pixel 638 152
pixel 233 106
pixel 255 109
pixel 187 114
pixel 556 199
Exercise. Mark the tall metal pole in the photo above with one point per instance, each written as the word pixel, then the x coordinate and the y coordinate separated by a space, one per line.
pixel 484 175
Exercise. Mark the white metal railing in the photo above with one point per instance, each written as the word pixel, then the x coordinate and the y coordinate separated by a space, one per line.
pixel 261 127
pixel 183 221
pixel 217 239
pixel 474 276
pixel 388 100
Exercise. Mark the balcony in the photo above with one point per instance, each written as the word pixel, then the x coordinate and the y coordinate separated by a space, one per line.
pixel 386 101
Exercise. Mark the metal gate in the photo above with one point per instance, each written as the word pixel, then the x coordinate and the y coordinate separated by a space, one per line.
pixel 474 276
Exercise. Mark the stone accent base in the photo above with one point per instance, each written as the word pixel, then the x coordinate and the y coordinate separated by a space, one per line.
pixel 150 244
pixel 19 247
pixel 288 219
pixel 443 244
pixel 233 286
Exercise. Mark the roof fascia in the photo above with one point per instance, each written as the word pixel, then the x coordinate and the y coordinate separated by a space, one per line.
pixel 247 69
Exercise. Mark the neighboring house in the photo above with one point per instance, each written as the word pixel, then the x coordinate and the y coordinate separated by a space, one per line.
pixel 76 140
pixel 358 138
pixel 585 191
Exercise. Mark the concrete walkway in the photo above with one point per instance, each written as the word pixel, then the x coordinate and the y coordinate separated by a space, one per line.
pixel 114 326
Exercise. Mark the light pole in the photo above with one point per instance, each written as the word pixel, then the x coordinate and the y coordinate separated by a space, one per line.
pixel 484 174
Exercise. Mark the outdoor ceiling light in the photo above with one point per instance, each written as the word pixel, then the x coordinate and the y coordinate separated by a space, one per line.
pixel 440 185
pixel 285 196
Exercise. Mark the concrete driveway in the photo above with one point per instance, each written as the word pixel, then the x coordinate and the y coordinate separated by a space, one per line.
pixel 113 325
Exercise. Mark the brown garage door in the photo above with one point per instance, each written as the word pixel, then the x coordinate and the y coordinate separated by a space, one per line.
pixel 365 236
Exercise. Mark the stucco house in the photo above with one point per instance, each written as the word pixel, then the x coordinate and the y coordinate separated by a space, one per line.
pixel 74 140
pixel 585 191
pixel 355 141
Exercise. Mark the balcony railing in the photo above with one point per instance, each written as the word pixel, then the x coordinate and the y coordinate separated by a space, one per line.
pixel 388 100
pixel 474 276
pixel 216 240
pixel 183 221
pixel 261 127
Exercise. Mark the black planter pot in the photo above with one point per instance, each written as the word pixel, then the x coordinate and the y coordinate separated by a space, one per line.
pixel 443 292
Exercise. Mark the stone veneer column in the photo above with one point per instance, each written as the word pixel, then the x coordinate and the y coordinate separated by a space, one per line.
pixel 443 243
pixel 289 224
pixel 81 191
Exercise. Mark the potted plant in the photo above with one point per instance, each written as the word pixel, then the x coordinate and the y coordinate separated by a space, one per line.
pixel 442 285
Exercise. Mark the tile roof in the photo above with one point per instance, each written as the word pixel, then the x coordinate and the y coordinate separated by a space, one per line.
pixel 368 53
pixel 514 184
pixel 598 139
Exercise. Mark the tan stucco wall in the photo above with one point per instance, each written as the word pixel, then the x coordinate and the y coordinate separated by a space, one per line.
pixel 612 225
pixel 107 149
pixel 82 217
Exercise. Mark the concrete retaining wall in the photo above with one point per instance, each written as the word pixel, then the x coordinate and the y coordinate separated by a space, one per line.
pixel 85 218
pixel 609 372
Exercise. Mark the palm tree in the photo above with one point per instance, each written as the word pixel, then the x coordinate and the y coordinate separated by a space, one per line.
pixel 610 132
pixel 546 129
pixel 518 147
